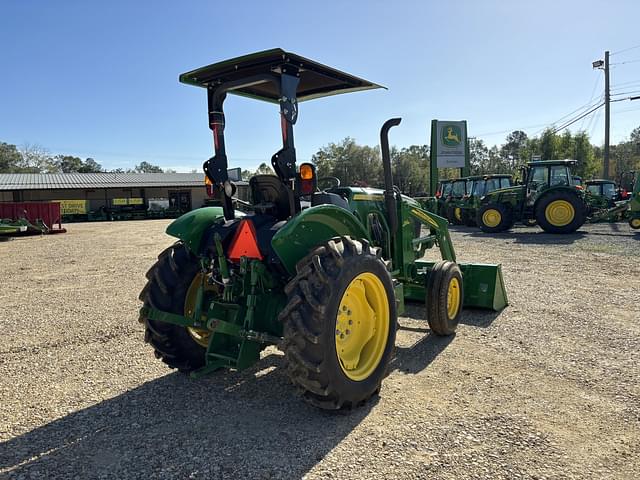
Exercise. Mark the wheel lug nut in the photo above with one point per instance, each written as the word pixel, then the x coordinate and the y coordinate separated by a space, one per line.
pixel 348 332
pixel 342 335
pixel 350 322
pixel 338 332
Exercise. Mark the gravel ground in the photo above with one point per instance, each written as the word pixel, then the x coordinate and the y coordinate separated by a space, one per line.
pixel 548 388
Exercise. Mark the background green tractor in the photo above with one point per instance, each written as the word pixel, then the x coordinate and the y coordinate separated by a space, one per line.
pixel 454 201
pixel 325 283
pixel 478 186
pixel 630 185
pixel 604 192
pixel 436 203
pixel 547 195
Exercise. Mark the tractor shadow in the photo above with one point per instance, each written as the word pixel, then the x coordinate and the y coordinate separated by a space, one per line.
pixel 529 236
pixel 229 425
pixel 421 353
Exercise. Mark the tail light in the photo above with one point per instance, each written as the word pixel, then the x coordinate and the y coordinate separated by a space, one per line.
pixel 307 178
pixel 624 194
pixel 244 243
pixel 209 186
pixel 438 194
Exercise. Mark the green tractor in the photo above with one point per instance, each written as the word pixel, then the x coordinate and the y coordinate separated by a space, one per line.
pixel 604 192
pixel 453 202
pixel 436 203
pixel 466 208
pixel 324 283
pixel 546 196
pixel 630 185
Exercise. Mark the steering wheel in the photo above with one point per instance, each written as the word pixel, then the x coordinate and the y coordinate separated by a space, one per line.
pixel 334 182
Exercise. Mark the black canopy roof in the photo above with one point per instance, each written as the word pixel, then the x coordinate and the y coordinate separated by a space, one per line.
pixel 316 80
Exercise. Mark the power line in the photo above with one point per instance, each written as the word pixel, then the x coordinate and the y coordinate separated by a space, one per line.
pixel 631 92
pixel 627 61
pixel 487 134
pixel 628 110
pixel 556 130
pixel 625 83
pixel 593 94
pixel 625 49
pixel 582 109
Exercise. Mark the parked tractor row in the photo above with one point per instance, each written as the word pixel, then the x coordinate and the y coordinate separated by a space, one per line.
pixel 548 195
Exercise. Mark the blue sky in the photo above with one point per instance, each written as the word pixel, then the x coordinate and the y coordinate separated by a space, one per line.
pixel 100 79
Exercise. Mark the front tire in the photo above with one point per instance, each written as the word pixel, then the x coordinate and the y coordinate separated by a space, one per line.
pixel 494 218
pixel 168 282
pixel 339 324
pixel 444 297
pixel 560 212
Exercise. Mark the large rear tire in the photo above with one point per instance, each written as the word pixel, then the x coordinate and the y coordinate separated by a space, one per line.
pixel 168 283
pixel 560 212
pixel 494 218
pixel 339 324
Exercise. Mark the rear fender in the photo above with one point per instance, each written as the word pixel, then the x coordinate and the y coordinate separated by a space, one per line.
pixel 191 226
pixel 312 227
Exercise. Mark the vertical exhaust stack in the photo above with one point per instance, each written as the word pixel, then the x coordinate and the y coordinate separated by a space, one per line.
pixel 389 193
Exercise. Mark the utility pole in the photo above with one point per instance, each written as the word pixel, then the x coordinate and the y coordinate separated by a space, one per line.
pixel 607 114
pixel 604 65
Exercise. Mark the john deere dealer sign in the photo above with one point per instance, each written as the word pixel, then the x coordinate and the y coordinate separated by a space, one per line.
pixel 451 143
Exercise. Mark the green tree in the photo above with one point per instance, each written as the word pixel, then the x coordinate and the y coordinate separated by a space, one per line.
pixel 513 148
pixel 478 156
pixel 146 167
pixel 411 168
pixel 90 166
pixel 548 147
pixel 10 158
pixel 353 164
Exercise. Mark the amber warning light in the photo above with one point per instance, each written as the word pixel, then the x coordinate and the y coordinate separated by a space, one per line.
pixel 307 178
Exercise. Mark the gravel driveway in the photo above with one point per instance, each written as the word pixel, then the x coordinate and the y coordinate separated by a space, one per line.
pixel 548 388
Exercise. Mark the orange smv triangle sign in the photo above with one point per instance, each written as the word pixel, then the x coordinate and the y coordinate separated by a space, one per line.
pixel 244 243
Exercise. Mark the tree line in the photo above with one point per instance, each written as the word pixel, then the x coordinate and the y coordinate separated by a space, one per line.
pixel 36 159
pixel 356 164
pixel 361 165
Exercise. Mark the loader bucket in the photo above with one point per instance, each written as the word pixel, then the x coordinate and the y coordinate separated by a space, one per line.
pixel 483 286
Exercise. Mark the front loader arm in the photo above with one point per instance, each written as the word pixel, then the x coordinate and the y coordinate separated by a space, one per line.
pixel 438 232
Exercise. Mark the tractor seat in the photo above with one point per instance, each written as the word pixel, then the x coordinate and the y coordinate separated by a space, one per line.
pixel 326 198
pixel 269 196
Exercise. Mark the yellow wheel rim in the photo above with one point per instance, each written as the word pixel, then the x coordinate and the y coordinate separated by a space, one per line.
pixel 362 326
pixel 559 213
pixel 635 223
pixel 491 218
pixel 199 335
pixel 453 298
pixel 458 213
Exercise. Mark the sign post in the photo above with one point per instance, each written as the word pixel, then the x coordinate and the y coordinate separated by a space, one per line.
pixel 449 149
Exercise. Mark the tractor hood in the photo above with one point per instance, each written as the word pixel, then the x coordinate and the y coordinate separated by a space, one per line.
pixel 316 80
pixel 514 189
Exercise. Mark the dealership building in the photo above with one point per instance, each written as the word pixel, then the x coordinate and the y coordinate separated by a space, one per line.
pixel 93 191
